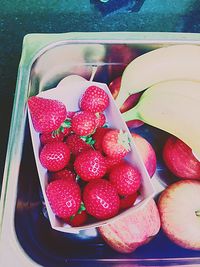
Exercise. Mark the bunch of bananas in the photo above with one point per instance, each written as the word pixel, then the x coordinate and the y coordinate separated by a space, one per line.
pixel 170 77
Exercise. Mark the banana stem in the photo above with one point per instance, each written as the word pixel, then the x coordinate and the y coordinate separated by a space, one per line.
pixel 197 212
pixel 131 114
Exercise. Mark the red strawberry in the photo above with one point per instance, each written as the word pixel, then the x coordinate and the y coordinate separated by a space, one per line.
pixel 101 199
pixel 90 165
pixel 57 135
pixel 112 162
pixel 64 197
pixel 55 156
pixel 47 114
pixel 100 119
pixel 98 137
pixel 79 218
pixel 125 178
pixel 63 174
pixel 95 99
pixel 76 144
pixel 128 201
pixel 50 137
pixel 116 144
pixel 83 123
pixel 70 114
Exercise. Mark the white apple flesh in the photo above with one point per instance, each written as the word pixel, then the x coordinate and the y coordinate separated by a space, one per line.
pixel 179 207
pixel 132 230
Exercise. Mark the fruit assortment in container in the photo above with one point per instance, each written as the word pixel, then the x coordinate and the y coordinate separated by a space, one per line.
pixel 89 167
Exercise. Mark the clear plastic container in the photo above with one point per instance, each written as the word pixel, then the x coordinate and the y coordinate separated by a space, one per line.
pixel 27 238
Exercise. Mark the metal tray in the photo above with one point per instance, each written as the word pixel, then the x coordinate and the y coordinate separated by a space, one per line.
pixel 27 238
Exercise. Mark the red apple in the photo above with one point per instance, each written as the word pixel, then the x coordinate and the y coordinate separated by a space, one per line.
pixel 130 102
pixel 179 207
pixel 180 160
pixel 114 86
pixel 132 230
pixel 147 153
pixel 122 54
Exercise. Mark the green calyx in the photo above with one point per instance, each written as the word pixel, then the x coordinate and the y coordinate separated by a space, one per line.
pixel 88 139
pixel 61 129
pixel 81 208
pixel 124 140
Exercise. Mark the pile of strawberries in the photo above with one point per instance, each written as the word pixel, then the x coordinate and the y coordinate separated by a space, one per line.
pixel 89 178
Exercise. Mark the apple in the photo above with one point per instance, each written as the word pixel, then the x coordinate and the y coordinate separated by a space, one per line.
pixel 114 86
pixel 130 102
pixel 147 153
pixel 132 230
pixel 121 55
pixel 179 207
pixel 180 160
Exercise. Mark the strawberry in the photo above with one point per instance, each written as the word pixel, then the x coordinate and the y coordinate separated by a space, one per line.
pixel 90 165
pixel 101 199
pixel 64 197
pixel 95 99
pixel 83 123
pixel 63 174
pixel 76 144
pixel 128 201
pixel 116 144
pixel 112 162
pixel 47 114
pixel 54 156
pixel 50 137
pixel 100 119
pixel 65 128
pixel 79 218
pixel 98 137
pixel 125 178
pixel 70 114
pixel 57 135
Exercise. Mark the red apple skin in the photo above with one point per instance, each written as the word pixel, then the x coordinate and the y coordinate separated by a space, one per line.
pixel 134 124
pixel 178 205
pixel 120 53
pixel 147 153
pixel 130 102
pixel 114 87
pixel 179 159
pixel 132 230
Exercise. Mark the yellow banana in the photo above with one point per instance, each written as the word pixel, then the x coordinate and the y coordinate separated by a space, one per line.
pixel 175 62
pixel 173 106
pixel 183 87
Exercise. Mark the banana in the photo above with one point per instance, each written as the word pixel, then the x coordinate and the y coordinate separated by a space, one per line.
pixel 183 87
pixel 172 106
pixel 175 62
